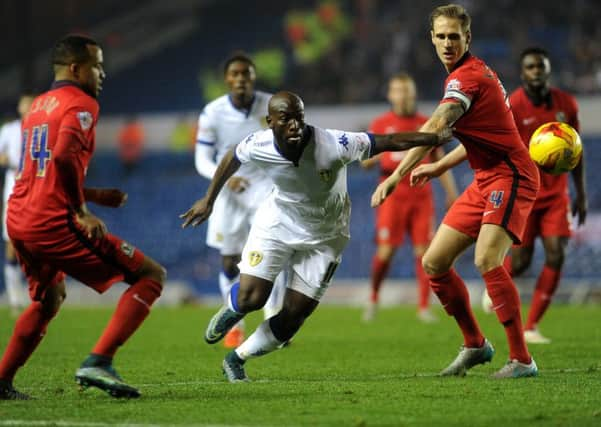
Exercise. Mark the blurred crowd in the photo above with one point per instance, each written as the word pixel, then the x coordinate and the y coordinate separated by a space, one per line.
pixel 391 35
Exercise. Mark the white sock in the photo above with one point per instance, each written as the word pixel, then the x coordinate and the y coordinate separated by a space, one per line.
pixel 259 343
pixel 225 284
pixel 276 298
pixel 15 290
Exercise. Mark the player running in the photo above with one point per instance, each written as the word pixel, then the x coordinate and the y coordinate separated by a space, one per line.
pixel 54 233
pixel 222 124
pixel 534 104
pixel 302 225
pixel 409 209
pixel 492 211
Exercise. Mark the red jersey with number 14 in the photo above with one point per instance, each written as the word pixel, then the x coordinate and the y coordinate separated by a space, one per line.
pixel 486 129
pixel 559 107
pixel 39 205
pixel 391 123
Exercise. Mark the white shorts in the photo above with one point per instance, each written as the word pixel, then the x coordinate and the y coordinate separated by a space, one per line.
pixel 311 265
pixel 229 224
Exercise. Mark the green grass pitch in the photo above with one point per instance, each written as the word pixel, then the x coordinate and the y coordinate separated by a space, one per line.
pixel 337 372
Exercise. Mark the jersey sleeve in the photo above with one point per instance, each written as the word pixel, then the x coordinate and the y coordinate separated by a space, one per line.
pixel 79 119
pixel 462 88
pixel 206 129
pixel 244 150
pixel 352 146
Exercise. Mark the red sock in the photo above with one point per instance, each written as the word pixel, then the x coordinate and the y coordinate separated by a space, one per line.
pixel 423 285
pixel 506 303
pixel 379 270
pixel 30 328
pixel 132 309
pixel 453 295
pixel 545 288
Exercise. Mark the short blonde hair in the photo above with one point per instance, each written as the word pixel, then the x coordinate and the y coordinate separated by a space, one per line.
pixel 452 11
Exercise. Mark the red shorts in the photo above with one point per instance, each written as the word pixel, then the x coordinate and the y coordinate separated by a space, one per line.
pixel 496 199
pixel 395 217
pixel 551 218
pixel 96 263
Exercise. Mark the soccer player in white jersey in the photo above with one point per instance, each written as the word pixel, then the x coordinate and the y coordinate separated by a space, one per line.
pixel 222 124
pixel 10 156
pixel 303 225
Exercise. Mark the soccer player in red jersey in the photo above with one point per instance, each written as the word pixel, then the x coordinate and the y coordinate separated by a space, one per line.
pixel 492 211
pixel 55 234
pixel 409 209
pixel 534 104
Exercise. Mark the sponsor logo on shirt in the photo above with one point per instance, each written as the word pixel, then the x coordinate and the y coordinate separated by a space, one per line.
pixel 343 140
pixel 255 258
pixel 86 120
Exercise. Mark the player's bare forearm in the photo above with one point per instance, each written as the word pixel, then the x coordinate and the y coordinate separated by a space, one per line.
pixel 453 158
pixel 404 141
pixel 225 170
pixel 371 162
pixel 578 178
pixel 580 203
pixel 447 180
pixel 110 197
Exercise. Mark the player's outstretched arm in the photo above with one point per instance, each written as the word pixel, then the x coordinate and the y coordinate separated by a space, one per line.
pixel 202 208
pixel 406 140
pixel 109 197
pixel 443 118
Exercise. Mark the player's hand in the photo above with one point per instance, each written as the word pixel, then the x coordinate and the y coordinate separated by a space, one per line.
pixel 93 227
pixel 237 184
pixel 579 208
pixel 383 190
pixel 198 213
pixel 424 173
pixel 445 135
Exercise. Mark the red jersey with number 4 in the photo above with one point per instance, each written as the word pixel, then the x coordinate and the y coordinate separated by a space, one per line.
pixel 487 130
pixel 391 123
pixel 39 205
pixel 559 107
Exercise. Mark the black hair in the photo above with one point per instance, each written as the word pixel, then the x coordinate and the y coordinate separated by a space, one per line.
pixel 72 49
pixel 237 57
pixel 534 50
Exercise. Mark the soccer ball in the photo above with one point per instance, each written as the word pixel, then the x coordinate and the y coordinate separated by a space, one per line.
pixel 555 147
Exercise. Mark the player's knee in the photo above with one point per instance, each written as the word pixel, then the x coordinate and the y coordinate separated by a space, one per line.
pixel 251 299
pixel 153 271
pixel 433 266
pixel 555 258
pixel 487 261
pixel 53 299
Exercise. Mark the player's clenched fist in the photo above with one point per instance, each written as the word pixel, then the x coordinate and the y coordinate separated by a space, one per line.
pixel 198 213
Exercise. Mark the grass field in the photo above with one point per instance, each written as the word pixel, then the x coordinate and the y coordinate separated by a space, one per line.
pixel 338 372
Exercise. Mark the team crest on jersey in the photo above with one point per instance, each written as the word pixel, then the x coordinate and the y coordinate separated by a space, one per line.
pixel 560 116
pixel 85 119
pixel 325 175
pixel 453 84
pixel 249 138
pixel 496 198
pixel 255 258
pixel 127 249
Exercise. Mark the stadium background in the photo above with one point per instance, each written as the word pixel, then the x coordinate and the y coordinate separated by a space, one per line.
pixel 163 61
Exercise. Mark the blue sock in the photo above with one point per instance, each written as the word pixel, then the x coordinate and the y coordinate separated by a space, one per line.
pixel 234 297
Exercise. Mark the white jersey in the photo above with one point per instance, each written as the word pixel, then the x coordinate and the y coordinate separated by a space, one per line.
pixel 221 126
pixel 310 202
pixel 10 145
